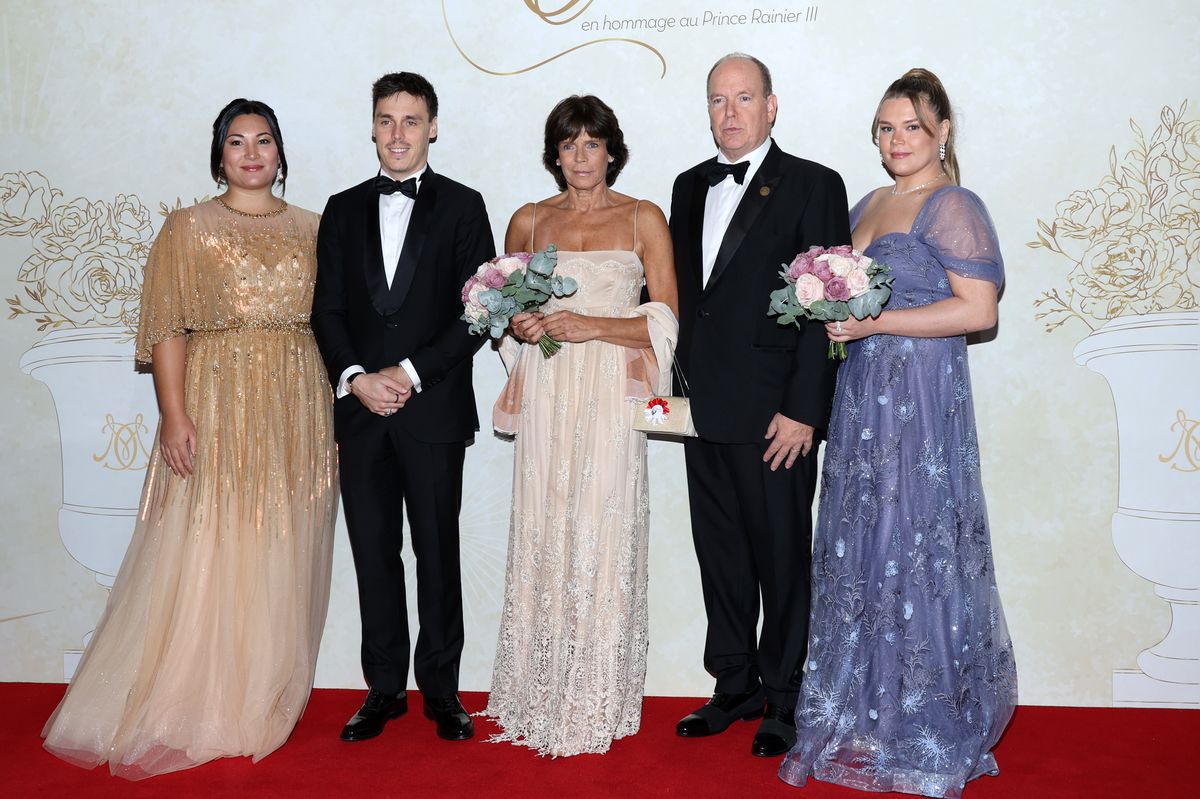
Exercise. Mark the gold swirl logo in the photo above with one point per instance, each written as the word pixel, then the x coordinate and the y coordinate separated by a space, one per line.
pixel 1187 449
pixel 550 16
pixel 561 15
pixel 125 451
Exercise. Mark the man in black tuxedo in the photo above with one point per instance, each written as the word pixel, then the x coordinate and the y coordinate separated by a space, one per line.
pixel 761 395
pixel 393 253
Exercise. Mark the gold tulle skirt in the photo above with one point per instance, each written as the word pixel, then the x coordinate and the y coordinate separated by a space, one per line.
pixel 208 645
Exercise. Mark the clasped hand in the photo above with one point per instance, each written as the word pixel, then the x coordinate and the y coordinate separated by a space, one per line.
pixel 561 326
pixel 383 392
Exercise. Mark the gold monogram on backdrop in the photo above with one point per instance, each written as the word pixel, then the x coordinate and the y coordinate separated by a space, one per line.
pixel 126 450
pixel 1186 455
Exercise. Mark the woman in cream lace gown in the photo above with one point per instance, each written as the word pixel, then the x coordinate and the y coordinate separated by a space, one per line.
pixel 571 658
pixel 208 644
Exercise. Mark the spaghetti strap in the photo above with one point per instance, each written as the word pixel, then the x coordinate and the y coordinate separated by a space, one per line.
pixel 533 227
pixel 636 206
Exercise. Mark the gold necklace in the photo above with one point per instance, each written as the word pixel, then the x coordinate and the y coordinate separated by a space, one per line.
pixel 229 207
pixel 917 188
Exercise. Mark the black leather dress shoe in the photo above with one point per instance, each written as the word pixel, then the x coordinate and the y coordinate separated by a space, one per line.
pixel 376 711
pixel 453 723
pixel 777 732
pixel 719 712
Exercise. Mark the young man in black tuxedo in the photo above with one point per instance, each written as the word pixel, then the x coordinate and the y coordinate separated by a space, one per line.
pixel 761 395
pixel 393 253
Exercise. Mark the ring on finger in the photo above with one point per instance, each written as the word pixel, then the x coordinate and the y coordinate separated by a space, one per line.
pixel 838 327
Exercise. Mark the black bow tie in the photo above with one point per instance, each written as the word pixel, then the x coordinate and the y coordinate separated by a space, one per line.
pixel 717 171
pixel 385 185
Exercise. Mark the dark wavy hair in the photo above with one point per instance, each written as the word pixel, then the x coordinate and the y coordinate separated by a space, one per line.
pixel 919 85
pixel 587 113
pixel 407 82
pixel 232 111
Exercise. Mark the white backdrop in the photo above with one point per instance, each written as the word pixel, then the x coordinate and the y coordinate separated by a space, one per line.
pixel 105 119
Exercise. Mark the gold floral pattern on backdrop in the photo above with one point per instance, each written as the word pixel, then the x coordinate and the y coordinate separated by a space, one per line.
pixel 1133 240
pixel 86 266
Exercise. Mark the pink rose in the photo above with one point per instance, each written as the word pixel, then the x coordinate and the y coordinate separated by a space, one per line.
pixel 857 281
pixel 802 264
pixel 836 290
pixel 821 269
pixel 844 250
pixel 511 262
pixel 466 290
pixel 809 289
pixel 474 292
pixel 494 278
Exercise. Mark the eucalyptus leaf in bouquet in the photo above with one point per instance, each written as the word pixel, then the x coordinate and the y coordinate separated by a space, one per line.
pixel 511 284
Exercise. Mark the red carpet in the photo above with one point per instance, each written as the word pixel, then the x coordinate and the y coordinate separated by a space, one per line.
pixel 1048 752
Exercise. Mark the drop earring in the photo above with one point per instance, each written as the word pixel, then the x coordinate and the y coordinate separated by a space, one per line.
pixel 942 151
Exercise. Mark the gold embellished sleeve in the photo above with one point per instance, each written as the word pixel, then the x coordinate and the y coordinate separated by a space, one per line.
pixel 163 290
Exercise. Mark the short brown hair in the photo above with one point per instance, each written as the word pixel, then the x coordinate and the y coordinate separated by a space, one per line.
pixel 587 113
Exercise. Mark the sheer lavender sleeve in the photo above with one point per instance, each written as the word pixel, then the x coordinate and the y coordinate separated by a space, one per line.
pixel 957 228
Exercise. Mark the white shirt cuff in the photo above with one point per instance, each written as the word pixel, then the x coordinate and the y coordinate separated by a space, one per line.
pixel 343 387
pixel 407 366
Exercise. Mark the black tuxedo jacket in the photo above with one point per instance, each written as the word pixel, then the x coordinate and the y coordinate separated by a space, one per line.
pixel 358 319
pixel 742 367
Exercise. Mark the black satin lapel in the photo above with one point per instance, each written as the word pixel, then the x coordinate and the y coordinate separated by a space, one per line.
pixel 758 194
pixel 414 240
pixel 696 222
pixel 372 250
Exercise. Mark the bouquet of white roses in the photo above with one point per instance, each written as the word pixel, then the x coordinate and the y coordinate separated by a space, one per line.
pixel 511 284
pixel 831 285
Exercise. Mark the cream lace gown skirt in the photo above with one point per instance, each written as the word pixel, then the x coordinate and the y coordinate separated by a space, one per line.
pixel 571 657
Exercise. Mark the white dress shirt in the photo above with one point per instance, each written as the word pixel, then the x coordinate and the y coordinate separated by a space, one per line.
pixel 395 212
pixel 722 201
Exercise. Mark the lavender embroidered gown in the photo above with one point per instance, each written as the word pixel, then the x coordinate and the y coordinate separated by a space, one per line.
pixel 910 678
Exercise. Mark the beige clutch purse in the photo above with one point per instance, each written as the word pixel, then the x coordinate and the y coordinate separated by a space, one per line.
pixel 671 416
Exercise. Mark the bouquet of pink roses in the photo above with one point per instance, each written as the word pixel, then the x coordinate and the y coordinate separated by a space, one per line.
pixel 510 284
pixel 831 285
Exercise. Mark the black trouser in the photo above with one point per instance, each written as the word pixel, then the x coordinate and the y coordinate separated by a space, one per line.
pixel 385 472
pixel 753 534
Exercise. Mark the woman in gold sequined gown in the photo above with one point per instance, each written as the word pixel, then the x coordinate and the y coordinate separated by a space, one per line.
pixel 208 644
pixel 570 662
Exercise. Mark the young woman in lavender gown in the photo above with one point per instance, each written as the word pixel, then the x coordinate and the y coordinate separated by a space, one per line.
pixel 910 678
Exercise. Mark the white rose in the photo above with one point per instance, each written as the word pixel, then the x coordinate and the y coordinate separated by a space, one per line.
pixel 840 265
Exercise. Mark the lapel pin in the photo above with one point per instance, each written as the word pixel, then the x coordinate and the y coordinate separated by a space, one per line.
pixel 764 191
